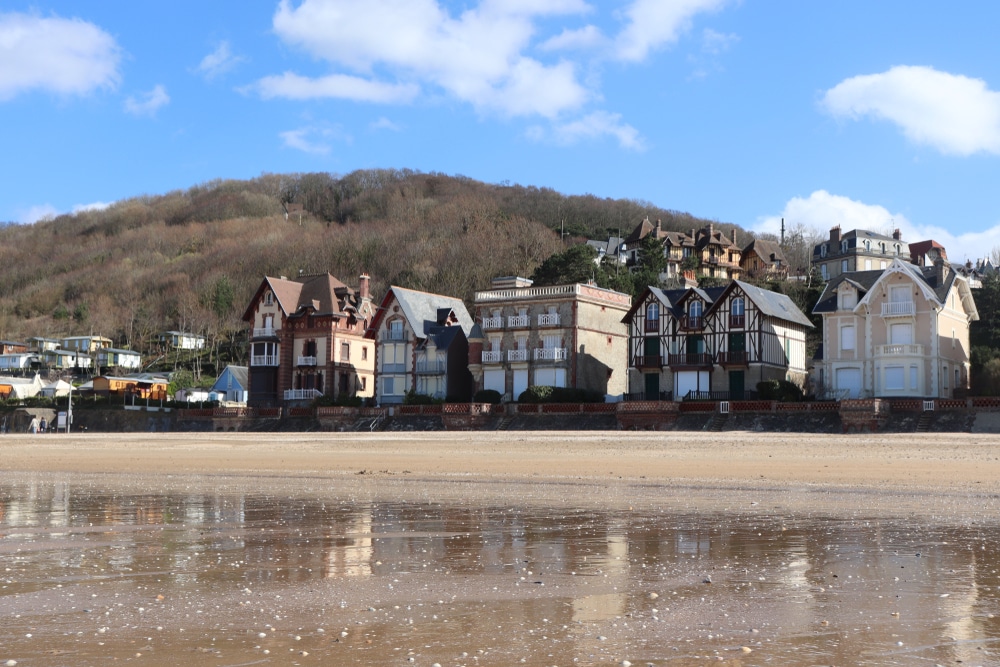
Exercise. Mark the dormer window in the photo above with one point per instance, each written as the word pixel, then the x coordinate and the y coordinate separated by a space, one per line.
pixel 843 246
pixel 822 250
pixel 868 246
pixel 268 298
pixel 848 299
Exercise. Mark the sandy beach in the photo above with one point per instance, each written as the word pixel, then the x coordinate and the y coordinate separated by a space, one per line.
pixel 946 463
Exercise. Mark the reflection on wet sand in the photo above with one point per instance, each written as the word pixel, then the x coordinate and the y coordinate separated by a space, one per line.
pixel 98 568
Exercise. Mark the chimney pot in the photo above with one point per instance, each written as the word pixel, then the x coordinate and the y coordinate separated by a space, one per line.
pixel 835 234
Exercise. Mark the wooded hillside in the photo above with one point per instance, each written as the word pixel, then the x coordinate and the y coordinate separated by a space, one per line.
pixel 190 260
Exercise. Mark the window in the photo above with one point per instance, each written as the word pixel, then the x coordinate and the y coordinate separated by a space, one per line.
pixel 913 378
pixel 901 334
pixel 868 245
pixel 364 353
pixel 894 378
pixel 694 309
pixel 944 375
pixel 843 246
pixel 847 338
pixel 364 383
pixel 822 250
pixel 868 265
pixel 268 298
pixel 824 272
pixel 882 265
pixel 653 311
pixel 957 378
pixel 843 266
pixel 848 300
pixel 345 351
pixel 737 306
pixel 388 386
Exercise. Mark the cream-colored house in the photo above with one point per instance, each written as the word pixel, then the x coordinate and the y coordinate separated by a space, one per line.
pixel 902 332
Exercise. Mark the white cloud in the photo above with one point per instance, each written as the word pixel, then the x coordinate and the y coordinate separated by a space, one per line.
pixel 593 126
pixel 652 24
pixel 218 62
pixel 342 86
pixel 315 140
pixel 39 213
pixel 821 211
pixel 716 43
pixel 384 123
pixel 954 114
pixel 64 56
pixel 94 206
pixel 587 38
pixel 477 57
pixel 147 104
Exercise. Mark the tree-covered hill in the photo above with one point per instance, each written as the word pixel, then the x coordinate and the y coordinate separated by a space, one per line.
pixel 191 259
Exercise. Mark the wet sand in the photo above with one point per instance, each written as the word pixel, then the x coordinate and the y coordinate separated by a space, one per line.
pixel 946 463
pixel 462 549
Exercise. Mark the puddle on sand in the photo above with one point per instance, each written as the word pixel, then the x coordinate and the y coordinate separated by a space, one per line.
pixel 385 572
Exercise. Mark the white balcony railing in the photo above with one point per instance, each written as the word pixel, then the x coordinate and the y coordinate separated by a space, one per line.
pixel 550 354
pixel 264 360
pixel 493 322
pixel 895 308
pixel 517 355
pixel 492 356
pixel 395 335
pixel 518 321
pixel 899 350
pixel 264 332
pixel 548 320
pixel 307 361
pixel 301 394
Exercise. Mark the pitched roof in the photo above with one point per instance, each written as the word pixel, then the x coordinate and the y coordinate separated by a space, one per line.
pixel 239 373
pixel 424 310
pixel 773 304
pixel 767 250
pixel 322 293
pixel 862 281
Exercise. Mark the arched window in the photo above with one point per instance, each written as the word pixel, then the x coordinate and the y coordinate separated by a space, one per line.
pixel 653 311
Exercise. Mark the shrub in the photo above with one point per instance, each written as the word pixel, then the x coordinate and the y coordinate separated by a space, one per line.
pixel 779 390
pixel 413 398
pixel 487 396
pixel 544 394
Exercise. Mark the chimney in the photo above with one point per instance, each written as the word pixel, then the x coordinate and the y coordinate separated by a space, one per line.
pixel 364 286
pixel 941 270
pixel 734 236
pixel 689 279
pixel 896 234
pixel 835 234
pixel 658 228
pixel 692 235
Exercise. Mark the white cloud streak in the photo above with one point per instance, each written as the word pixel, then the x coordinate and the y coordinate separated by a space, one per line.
pixel 291 86
pixel 592 127
pixel 63 56
pixel 653 24
pixel 218 62
pixel 147 104
pixel 953 114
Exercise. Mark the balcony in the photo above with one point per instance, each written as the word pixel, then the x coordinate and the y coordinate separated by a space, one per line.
pixel 518 321
pixel 389 369
pixel 492 356
pixel 737 321
pixel 550 354
pixel 733 358
pixel 548 320
pixel 692 322
pixel 307 361
pixel 899 350
pixel 301 394
pixel 396 336
pixel 264 360
pixel 430 368
pixel 649 361
pixel 517 355
pixel 690 359
pixel 651 326
pixel 493 322
pixel 898 309
pixel 264 332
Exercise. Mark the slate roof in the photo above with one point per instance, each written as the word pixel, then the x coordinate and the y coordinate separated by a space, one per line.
pixel 769 303
pixel 773 304
pixel 239 373
pixel 424 310
pixel 862 281
pixel 865 280
pixel 322 293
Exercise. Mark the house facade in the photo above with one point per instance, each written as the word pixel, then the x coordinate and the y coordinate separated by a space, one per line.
pixel 180 340
pixel 231 385
pixel 763 260
pixel 307 339
pixel 720 341
pixel 560 336
pixel 715 254
pixel 86 344
pixel 858 250
pixel 110 357
pixel 902 332
pixel 423 346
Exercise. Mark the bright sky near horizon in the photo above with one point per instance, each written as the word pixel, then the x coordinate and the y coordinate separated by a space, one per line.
pixel 871 115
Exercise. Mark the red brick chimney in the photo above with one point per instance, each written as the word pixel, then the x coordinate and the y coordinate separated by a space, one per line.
pixel 364 286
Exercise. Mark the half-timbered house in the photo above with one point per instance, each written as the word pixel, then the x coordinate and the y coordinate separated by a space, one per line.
pixel 718 342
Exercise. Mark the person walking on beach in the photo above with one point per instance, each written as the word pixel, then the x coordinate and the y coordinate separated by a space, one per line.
pixel 43 426
pixel 33 426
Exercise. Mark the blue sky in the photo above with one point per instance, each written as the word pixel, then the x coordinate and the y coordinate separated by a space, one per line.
pixel 873 115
